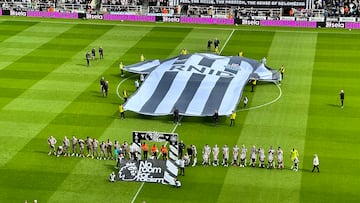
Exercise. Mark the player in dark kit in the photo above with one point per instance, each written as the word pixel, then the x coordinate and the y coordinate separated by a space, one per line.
pixel 216 43
pixel 216 118
pixel 93 52
pixel 102 83
pixel 106 89
pixel 87 56
pixel 342 97
pixel 209 43
pixel 181 148
pixel 176 115
pixel 101 53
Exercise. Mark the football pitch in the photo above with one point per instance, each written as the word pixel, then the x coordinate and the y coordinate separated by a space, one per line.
pixel 47 89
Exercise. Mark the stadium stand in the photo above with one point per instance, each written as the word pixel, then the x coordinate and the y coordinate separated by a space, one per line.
pixel 121 6
pixel 341 8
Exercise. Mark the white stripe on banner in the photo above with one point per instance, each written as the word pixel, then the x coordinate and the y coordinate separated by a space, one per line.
pixel 174 150
pixel 234 91
pixel 201 97
pixel 172 156
pixel 220 64
pixel 143 67
pixel 169 179
pixel 168 102
pixel 171 167
pixel 199 100
pixel 144 94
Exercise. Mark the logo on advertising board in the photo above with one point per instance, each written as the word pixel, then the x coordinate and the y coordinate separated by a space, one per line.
pixel 250 22
pixel 144 171
pixel 94 16
pixel 335 25
pixel 172 19
pixel 18 13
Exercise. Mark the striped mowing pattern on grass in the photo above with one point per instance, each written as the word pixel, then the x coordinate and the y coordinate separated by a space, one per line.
pixel 115 129
pixel 54 107
pixel 282 124
pixel 42 94
pixel 332 132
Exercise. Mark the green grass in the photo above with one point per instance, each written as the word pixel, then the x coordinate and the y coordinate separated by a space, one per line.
pixel 46 89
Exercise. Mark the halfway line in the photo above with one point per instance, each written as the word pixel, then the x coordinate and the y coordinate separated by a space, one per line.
pixel 142 184
pixel 227 40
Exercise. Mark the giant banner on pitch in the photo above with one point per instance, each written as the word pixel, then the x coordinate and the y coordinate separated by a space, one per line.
pixel 196 84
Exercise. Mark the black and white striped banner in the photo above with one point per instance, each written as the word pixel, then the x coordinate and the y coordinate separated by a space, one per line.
pixel 196 84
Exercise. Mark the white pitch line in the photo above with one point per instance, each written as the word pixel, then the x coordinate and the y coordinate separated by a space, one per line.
pixel 266 104
pixel 227 40
pixel 142 184
pixel 137 192
pixel 118 86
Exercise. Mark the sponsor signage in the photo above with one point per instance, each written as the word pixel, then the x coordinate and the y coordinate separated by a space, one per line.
pixel 250 22
pixel 46 14
pixel 219 21
pixel 352 25
pixel 90 16
pixel 335 25
pixel 172 19
pixel 124 17
pixel 151 170
pixel 317 19
pixel 0 12
pixel 252 3
pixel 288 23
pixel 17 13
pixel 347 19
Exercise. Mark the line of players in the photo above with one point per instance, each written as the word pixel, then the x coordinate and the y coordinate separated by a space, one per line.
pixel 92 148
pixel 275 158
pixel 76 147
pixel 104 149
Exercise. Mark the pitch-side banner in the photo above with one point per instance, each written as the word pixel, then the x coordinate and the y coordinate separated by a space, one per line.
pixel 195 84
pixel 151 170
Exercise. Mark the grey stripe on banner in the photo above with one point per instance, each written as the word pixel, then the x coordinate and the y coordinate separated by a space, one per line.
pixel 216 96
pixel 161 89
pixel 207 62
pixel 233 60
pixel 188 92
